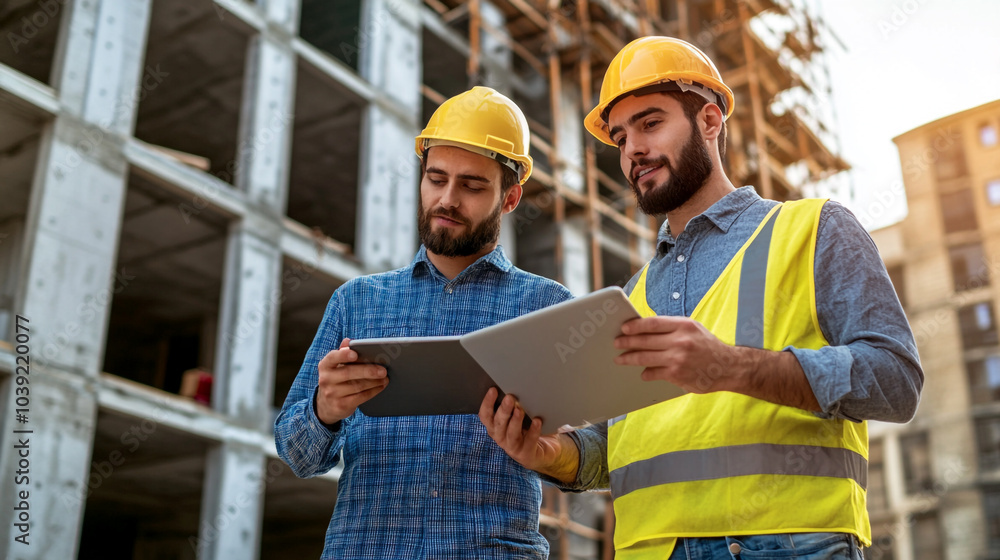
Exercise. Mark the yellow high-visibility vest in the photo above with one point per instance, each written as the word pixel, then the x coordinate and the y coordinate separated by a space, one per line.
pixel 728 464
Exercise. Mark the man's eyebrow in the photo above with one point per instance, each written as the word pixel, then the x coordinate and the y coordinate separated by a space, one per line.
pixel 464 176
pixel 632 120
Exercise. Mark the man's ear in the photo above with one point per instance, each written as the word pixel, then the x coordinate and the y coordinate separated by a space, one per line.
pixel 512 198
pixel 710 119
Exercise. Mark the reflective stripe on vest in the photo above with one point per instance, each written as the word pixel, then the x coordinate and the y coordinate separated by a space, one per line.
pixel 738 460
pixel 724 463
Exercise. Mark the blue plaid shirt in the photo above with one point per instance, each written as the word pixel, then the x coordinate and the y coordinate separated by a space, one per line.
pixel 419 486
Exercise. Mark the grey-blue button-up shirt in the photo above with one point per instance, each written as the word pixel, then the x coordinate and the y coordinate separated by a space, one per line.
pixel 870 370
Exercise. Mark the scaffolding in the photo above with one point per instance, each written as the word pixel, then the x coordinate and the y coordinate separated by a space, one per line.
pixel 187 181
pixel 570 43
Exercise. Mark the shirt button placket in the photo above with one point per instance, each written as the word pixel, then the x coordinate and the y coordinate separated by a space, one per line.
pixel 680 280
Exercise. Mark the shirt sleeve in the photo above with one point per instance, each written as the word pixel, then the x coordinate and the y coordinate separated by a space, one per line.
pixel 870 370
pixel 303 441
pixel 593 473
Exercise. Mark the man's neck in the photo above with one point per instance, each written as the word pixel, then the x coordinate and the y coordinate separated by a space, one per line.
pixel 717 186
pixel 451 267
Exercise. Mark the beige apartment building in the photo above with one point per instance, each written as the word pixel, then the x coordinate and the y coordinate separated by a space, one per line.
pixel 934 484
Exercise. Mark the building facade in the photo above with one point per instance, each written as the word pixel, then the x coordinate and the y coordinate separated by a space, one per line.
pixel 934 484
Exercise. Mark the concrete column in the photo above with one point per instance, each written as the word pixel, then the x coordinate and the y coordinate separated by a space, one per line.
pixel 248 325
pixel 266 127
pixel 388 170
pixel 575 232
pixel 57 443
pixel 67 279
pixel 570 135
pixel 496 57
pixel 285 13
pixel 576 256
pixel 231 511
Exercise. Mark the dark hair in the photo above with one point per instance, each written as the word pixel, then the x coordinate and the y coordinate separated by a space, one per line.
pixel 692 103
pixel 508 177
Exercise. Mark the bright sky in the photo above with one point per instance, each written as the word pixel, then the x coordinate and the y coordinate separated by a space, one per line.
pixel 909 62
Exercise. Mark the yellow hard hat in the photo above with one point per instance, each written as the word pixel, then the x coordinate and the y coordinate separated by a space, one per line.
pixel 651 64
pixel 483 121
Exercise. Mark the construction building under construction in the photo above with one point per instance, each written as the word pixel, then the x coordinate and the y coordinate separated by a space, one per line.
pixel 185 183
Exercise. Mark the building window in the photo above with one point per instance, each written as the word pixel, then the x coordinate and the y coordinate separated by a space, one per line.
pixel 991 503
pixel 984 379
pixel 877 499
pixel 988 439
pixel 916 462
pixel 898 282
pixel 988 135
pixel 958 209
pixel 950 153
pixel 927 541
pixel 968 267
pixel 993 192
pixel 978 325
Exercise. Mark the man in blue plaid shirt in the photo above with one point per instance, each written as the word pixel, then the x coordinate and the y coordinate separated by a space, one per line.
pixel 427 486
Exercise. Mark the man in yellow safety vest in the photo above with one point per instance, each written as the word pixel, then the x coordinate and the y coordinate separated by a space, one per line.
pixel 780 321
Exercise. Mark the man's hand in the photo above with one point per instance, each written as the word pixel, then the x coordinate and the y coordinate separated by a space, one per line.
pixel 344 385
pixel 554 455
pixel 682 351
pixel 679 350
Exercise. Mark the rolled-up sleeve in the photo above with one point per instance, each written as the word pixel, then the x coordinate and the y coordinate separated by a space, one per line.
pixel 592 474
pixel 870 370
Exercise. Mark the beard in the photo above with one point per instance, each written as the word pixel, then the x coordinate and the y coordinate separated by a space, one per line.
pixel 443 242
pixel 692 170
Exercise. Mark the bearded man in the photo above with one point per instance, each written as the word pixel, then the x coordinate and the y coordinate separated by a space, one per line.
pixel 427 486
pixel 778 318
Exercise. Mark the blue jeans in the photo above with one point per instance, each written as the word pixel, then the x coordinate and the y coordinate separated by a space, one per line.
pixel 788 546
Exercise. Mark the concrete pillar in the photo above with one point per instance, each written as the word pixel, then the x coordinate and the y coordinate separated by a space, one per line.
pixel 570 134
pixel 576 256
pixel 575 232
pixel 389 174
pixel 248 326
pixel 266 127
pixel 231 511
pixel 67 278
pixel 496 58
pixel 57 440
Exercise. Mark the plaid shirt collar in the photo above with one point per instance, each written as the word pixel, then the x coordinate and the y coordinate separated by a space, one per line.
pixel 495 258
